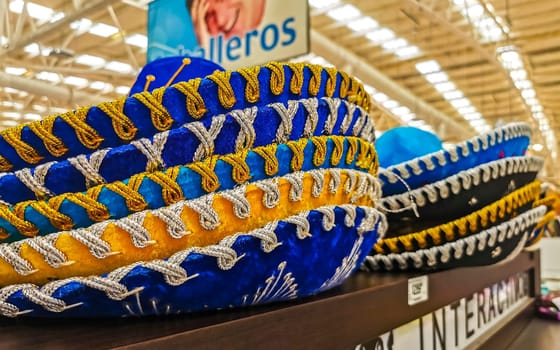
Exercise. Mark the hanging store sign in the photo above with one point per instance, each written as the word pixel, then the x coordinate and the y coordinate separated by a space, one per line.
pixel 459 324
pixel 233 33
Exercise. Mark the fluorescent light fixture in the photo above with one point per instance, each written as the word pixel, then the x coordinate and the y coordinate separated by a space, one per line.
pixel 81 25
pixel 537 147
pixel 518 74
pixel 380 97
pixel 90 60
pixel 528 93
pixel 49 76
pixel 428 67
pixel 510 55
pixel 472 116
pixel 10 123
pixel 31 116
pixel 122 90
pixel 34 10
pixel 320 61
pixel 453 95
pixel 475 12
pixel 407 51
pixel 15 70
pixel 3 40
pixel 400 111
pixel 536 108
pixel 33 49
pixel 523 84
pixel 344 13
pixel 390 104
pixel 466 110
pixel 461 102
pixel 380 35
pixel 103 30
pixel 120 67
pixel 407 117
pixel 101 86
pixel 15 105
pixel 445 86
pixel 11 115
pixel 137 40
pixel 394 44
pixel 539 115
pixel 477 122
pixel 39 108
pixel 438 77
pixel 363 24
pixel 319 4
pixel 532 101
pixel 369 89
pixel 76 81
pixel 57 16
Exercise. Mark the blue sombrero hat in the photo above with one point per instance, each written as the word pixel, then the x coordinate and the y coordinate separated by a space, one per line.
pixel 421 162
pixel 177 191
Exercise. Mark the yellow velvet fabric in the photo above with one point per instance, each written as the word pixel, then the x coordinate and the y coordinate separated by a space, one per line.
pixel 83 263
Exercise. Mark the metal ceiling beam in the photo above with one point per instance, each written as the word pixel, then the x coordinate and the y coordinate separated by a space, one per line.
pixel 45 30
pixel 40 88
pixel 341 57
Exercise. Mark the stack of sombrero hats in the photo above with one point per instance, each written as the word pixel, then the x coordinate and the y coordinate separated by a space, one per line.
pixel 203 189
pixel 469 204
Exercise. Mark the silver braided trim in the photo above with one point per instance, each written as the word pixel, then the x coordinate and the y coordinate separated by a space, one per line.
pixel 152 149
pixel 463 181
pixel 208 217
pixel 456 250
pixel 174 274
pixel 474 145
pixel 89 165
pixel 36 181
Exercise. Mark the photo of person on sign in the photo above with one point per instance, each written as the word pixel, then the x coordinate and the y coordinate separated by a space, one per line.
pixel 227 17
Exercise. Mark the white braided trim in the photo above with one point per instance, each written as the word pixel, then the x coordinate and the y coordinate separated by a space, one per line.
pixel 89 165
pixel 474 145
pixel 442 254
pixel 173 273
pixel 365 185
pixel 463 181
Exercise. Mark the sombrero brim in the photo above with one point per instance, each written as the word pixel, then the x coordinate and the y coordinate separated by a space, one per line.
pixel 141 115
pixel 508 141
pixel 465 192
pixel 159 233
pixel 493 245
pixel 152 190
pixel 237 130
pixel 493 214
pixel 292 258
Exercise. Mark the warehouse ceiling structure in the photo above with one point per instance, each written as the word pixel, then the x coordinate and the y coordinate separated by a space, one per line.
pixel 456 67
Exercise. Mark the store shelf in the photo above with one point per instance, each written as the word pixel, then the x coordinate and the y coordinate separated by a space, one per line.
pixel 365 306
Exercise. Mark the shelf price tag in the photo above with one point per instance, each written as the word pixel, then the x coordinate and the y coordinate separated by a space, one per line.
pixel 417 290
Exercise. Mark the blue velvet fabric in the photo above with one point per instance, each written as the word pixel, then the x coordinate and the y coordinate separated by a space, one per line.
pixel 404 143
pixel 124 161
pixel 190 183
pixel 309 262
pixel 164 68
pixel 174 101
pixel 506 148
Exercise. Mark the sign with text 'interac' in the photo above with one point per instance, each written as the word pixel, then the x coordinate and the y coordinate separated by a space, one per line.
pixel 459 324
pixel 233 33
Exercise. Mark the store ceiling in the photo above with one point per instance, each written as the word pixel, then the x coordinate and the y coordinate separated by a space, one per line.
pixel 458 67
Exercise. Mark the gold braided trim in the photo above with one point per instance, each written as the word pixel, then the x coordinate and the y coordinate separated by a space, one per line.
pixel 171 191
pixel 161 119
pixel 13 137
pixel 53 144
pixel 252 92
pixel 466 225
pixel 81 262
pixel 226 95
pixel 548 217
pixel 85 133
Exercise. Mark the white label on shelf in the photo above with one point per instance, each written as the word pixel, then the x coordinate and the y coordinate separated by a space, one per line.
pixel 417 290
pixel 460 323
